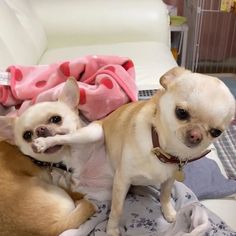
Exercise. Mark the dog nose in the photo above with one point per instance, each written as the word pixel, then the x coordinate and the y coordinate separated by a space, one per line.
pixel 43 131
pixel 194 136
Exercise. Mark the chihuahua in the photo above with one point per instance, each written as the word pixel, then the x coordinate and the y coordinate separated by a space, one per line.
pixel 30 204
pixel 56 123
pixel 147 142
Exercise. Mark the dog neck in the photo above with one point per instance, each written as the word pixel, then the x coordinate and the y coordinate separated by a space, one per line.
pixel 167 158
pixel 51 165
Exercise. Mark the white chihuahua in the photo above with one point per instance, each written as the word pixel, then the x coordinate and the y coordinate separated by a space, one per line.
pixel 51 132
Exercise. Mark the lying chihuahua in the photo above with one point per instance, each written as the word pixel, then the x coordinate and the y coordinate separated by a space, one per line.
pixel 147 142
pixel 30 205
pixel 56 122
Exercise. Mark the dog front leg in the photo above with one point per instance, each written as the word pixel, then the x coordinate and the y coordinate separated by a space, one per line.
pixel 87 134
pixel 165 196
pixel 119 192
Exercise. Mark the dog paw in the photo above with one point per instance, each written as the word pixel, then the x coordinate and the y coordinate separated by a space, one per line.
pixel 170 215
pixel 113 232
pixel 39 145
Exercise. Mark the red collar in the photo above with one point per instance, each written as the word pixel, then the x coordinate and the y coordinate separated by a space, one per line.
pixel 167 158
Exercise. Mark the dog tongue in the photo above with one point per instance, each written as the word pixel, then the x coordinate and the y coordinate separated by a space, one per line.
pixel 53 149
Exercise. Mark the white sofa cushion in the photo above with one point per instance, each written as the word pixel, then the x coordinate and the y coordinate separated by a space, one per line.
pixel 26 41
pixel 6 58
pixel 81 22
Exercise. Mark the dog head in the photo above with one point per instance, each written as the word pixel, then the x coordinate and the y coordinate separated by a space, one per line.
pixel 194 110
pixel 43 120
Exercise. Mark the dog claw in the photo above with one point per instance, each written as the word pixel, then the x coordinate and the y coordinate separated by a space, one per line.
pixel 34 147
pixel 38 146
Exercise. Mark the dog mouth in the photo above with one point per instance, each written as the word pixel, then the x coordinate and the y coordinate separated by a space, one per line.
pixel 190 145
pixel 53 149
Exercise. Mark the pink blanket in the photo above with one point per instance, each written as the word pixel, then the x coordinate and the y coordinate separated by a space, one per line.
pixel 106 82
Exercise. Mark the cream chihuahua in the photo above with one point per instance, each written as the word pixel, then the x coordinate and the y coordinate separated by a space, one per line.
pixel 186 116
pixel 147 142
pixel 58 123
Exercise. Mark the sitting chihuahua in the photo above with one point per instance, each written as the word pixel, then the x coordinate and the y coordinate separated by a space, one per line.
pixel 147 142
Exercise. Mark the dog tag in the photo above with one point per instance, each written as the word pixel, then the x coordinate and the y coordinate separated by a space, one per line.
pixel 179 174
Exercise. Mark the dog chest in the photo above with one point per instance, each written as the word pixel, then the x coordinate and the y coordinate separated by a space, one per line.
pixel 151 172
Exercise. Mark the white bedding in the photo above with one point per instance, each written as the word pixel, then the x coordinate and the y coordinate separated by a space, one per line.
pixel 142 216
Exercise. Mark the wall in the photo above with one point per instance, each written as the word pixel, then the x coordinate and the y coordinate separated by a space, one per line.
pixel 178 3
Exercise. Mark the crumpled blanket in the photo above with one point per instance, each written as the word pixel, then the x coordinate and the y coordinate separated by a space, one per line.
pixel 142 216
pixel 106 82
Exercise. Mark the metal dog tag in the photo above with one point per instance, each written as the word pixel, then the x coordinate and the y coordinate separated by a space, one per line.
pixel 179 174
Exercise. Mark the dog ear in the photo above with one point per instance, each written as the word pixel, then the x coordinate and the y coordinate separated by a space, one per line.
pixel 70 93
pixel 170 76
pixel 7 129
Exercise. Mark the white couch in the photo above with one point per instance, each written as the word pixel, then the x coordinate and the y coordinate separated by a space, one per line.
pixel 39 32
pixel 46 31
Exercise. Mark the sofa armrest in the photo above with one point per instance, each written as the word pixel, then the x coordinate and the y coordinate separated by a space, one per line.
pixel 79 22
pixel 22 38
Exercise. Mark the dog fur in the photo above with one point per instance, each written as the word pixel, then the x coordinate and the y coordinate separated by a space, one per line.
pixel 43 137
pixel 30 205
pixel 188 114
pixel 207 107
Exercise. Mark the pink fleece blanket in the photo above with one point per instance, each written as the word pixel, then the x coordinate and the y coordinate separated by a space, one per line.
pixel 106 82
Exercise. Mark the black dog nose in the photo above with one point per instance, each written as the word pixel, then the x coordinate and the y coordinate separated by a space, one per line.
pixel 43 131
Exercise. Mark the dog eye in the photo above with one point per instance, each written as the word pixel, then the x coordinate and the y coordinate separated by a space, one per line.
pixel 181 114
pixel 215 133
pixel 27 135
pixel 55 119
